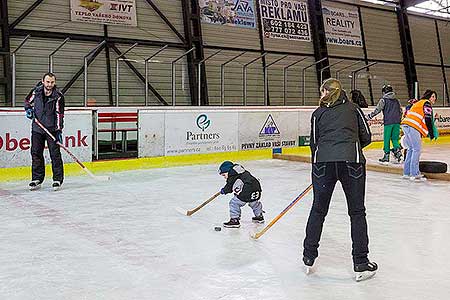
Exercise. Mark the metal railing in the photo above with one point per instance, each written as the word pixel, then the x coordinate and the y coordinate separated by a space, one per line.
pixel 328 67
pixel 174 87
pixel 86 60
pixel 199 74
pixel 147 60
pixel 285 77
pixel 304 77
pixel 14 53
pixel 338 72
pixel 50 56
pixel 118 70
pixel 266 78
pixel 356 71
pixel 222 76
pixel 244 75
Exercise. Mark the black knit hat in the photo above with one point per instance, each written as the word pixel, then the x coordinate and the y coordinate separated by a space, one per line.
pixel 225 167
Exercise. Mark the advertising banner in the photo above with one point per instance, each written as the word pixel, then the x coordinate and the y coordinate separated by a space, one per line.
pixel 304 126
pixel 342 26
pixel 376 125
pixel 15 139
pixel 442 118
pixel 200 132
pixel 239 13
pixel 151 133
pixel 108 12
pixel 259 130
pixel 286 19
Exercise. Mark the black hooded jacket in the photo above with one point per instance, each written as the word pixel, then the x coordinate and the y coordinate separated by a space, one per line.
pixel 48 110
pixel 339 132
pixel 244 186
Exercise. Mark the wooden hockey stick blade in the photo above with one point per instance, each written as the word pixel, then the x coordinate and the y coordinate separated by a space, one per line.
pixel 259 234
pixel 181 210
pixel 191 212
pixel 97 177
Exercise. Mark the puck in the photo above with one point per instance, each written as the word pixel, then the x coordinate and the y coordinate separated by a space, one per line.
pixel 217 228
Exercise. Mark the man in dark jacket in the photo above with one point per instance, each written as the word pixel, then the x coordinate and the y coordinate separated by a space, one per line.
pixel 392 115
pixel 46 104
pixel 339 132
pixel 246 189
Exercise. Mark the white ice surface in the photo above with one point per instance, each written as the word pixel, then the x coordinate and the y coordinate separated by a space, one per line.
pixel 430 152
pixel 124 239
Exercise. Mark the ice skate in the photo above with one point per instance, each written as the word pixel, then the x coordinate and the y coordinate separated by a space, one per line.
pixel 34 185
pixel 259 219
pixel 397 155
pixel 385 159
pixel 365 271
pixel 56 185
pixel 233 223
pixel 418 178
pixel 309 262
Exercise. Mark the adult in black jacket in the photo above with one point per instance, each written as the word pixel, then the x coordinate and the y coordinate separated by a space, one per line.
pixel 246 189
pixel 339 132
pixel 45 103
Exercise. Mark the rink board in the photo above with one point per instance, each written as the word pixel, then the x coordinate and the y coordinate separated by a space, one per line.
pixel 189 135
pixel 15 135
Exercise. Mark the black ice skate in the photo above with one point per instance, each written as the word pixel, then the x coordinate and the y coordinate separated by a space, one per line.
pixel 259 219
pixel 385 159
pixel 233 223
pixel 309 262
pixel 56 185
pixel 397 155
pixel 35 185
pixel 365 271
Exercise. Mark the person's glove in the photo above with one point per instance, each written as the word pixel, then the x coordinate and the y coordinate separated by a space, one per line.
pixel 222 191
pixel 29 112
pixel 58 137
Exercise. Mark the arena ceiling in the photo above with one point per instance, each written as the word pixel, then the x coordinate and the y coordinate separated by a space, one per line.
pixel 439 8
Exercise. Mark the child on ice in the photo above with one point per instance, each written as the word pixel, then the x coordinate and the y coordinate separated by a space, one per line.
pixel 246 189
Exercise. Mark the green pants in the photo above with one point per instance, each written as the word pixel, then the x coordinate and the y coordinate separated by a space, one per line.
pixel 391 133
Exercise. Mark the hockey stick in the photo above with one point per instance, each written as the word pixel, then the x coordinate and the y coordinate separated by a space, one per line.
pixel 102 178
pixel 259 234
pixel 191 212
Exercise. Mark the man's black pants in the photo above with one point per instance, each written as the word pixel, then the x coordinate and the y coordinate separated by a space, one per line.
pixel 353 179
pixel 37 155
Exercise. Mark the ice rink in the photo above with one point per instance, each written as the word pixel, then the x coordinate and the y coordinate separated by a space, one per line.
pixel 124 239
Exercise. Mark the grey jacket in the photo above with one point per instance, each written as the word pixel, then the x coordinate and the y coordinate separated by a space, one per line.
pixel 339 132
pixel 391 108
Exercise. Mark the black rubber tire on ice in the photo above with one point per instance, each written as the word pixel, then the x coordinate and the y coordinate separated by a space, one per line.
pixel 432 167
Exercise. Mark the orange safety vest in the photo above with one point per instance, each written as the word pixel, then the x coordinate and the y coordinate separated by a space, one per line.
pixel 415 117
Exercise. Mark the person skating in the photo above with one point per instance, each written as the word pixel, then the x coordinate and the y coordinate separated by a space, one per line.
pixel 246 189
pixel 339 132
pixel 392 115
pixel 45 103
pixel 417 123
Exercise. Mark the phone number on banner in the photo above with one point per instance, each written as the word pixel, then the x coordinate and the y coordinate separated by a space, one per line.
pixel 286 27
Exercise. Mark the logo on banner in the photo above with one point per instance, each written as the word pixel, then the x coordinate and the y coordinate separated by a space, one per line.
pixel 240 13
pixel 270 128
pixel 10 143
pixel 243 6
pixel 91 5
pixel 121 7
pixel 441 119
pixel 203 122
